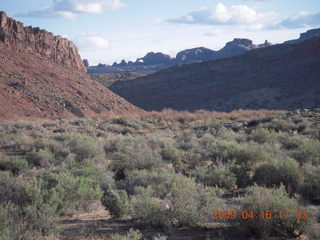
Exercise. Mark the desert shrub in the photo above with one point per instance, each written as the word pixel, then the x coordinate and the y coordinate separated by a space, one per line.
pixel 308 152
pixel 171 154
pixel 128 122
pixel 291 142
pixel 282 171
pixel 187 140
pixel 159 180
pixel 224 151
pixel 273 199
pixel 57 148
pixel 242 173
pixel 185 203
pixel 137 154
pixel 206 143
pixel 249 154
pixel 15 165
pixel 40 158
pixel 131 235
pixel 24 143
pixel 191 202
pixel 262 135
pixel 149 209
pixel 83 146
pixel 12 189
pixel 116 201
pixel 281 125
pixel 311 188
pixel 191 158
pixel 30 209
pixel 74 193
pixel 219 175
pixel 4 223
pixel 99 173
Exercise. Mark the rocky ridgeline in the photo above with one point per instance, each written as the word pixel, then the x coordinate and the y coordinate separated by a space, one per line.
pixel 40 42
pixel 158 61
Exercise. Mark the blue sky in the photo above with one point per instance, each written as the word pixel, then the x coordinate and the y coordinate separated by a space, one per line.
pixel 110 30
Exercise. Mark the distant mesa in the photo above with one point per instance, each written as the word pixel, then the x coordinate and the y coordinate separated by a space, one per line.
pixel 158 61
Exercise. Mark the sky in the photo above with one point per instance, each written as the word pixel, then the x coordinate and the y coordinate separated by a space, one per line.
pixel 111 30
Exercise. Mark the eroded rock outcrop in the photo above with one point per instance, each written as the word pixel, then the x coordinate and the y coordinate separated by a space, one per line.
pixel 39 42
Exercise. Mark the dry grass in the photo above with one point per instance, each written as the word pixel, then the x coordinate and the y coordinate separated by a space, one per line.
pixel 173 115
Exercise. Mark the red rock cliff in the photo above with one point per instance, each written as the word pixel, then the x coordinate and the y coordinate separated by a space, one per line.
pixel 39 42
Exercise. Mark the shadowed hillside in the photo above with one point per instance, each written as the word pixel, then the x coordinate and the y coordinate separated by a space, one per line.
pixel 285 76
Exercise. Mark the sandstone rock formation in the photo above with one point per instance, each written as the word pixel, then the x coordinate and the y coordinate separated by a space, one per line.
pixel 158 61
pixel 42 76
pixel 39 42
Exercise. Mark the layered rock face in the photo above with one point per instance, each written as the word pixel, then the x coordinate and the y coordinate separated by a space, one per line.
pixel 39 42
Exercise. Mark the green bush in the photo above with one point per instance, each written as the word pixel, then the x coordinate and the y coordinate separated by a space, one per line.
pixel 30 209
pixel 185 203
pixel 260 199
pixel 160 180
pixel 171 154
pixel 74 193
pixel 282 171
pixel 228 151
pixel 4 223
pixel 116 201
pixel 308 152
pixel 137 154
pixel 59 151
pixel 263 135
pixel 149 209
pixel 15 165
pixel 12 189
pixel 281 125
pixel 128 122
pixel 83 146
pixel 311 187
pixel 99 173
pixel 291 142
pixel 40 158
pixel 219 175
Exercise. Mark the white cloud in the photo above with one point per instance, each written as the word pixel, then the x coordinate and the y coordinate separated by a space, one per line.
pixel 72 8
pixel 66 14
pixel 223 15
pixel 247 18
pixel 301 20
pixel 90 42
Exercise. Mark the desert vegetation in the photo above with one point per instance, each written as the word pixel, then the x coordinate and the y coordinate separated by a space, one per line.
pixel 164 171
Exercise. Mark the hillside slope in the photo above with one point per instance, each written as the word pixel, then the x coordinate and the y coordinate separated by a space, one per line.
pixel 285 76
pixel 42 76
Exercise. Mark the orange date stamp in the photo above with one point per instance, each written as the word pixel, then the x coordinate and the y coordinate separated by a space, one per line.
pixel 258 214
